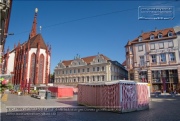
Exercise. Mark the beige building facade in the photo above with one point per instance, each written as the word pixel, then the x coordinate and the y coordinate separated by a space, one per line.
pixel 154 57
pixel 89 69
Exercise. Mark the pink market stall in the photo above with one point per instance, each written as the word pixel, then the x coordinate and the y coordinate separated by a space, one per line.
pixel 61 91
pixel 121 95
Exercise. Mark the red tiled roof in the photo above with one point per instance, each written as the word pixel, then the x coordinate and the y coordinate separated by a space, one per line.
pixel 86 59
pixel 67 62
pixel 124 63
pixel 146 36
pixel 34 40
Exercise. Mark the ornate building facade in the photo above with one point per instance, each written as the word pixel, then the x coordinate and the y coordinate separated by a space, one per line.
pixel 89 69
pixel 154 57
pixel 5 10
pixel 29 60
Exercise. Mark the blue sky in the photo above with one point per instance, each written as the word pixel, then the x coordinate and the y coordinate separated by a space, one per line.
pixel 106 34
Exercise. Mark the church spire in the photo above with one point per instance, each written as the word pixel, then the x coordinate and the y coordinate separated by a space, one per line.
pixel 33 31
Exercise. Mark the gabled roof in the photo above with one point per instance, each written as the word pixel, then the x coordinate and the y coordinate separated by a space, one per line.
pixel 88 59
pixel 35 40
pixel 146 36
pixel 67 62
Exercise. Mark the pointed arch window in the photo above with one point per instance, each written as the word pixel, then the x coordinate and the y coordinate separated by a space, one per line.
pixel 32 68
pixel 41 69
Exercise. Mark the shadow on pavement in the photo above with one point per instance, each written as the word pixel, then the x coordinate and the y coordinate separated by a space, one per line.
pixel 69 102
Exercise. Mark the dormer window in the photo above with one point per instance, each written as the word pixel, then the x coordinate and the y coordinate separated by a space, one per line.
pixel 170 34
pixel 140 39
pixel 159 36
pixel 151 37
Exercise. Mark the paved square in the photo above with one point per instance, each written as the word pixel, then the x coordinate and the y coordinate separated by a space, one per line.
pixel 163 108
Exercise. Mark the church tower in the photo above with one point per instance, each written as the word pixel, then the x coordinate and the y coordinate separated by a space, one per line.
pixel 31 59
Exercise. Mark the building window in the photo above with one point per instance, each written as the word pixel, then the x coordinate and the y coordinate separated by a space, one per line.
pixel 151 37
pixel 140 39
pixel 41 69
pixel 140 48
pixel 98 60
pixel 78 70
pixel 170 44
pixel 83 78
pixel 163 57
pixel 93 68
pixel 63 72
pixel 171 56
pixel 102 77
pixel 103 68
pixel 87 78
pixel 170 34
pixel 141 60
pixel 127 49
pixel 111 77
pixel 87 69
pixel 32 67
pixel 66 71
pixel 97 68
pixel 159 36
pixel 131 76
pixel 152 46
pixel 153 58
pixel 156 76
pixel 70 71
pixel 74 70
pixel 143 76
pixel 97 78
pixel 161 45
pixel 93 78
pixel 130 49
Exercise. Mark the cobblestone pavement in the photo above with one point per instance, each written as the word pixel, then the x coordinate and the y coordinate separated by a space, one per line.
pixel 162 108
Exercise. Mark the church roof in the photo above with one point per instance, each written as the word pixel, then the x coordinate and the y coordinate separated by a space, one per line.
pixel 88 59
pixel 35 40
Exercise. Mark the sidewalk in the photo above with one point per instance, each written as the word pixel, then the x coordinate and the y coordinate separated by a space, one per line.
pixel 28 101
pixel 164 95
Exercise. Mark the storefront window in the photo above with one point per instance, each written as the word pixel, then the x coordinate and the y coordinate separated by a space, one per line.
pixel 143 76
pixel 167 78
pixel 156 76
pixel 173 76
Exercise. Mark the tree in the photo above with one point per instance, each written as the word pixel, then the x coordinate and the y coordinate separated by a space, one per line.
pixel 52 78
